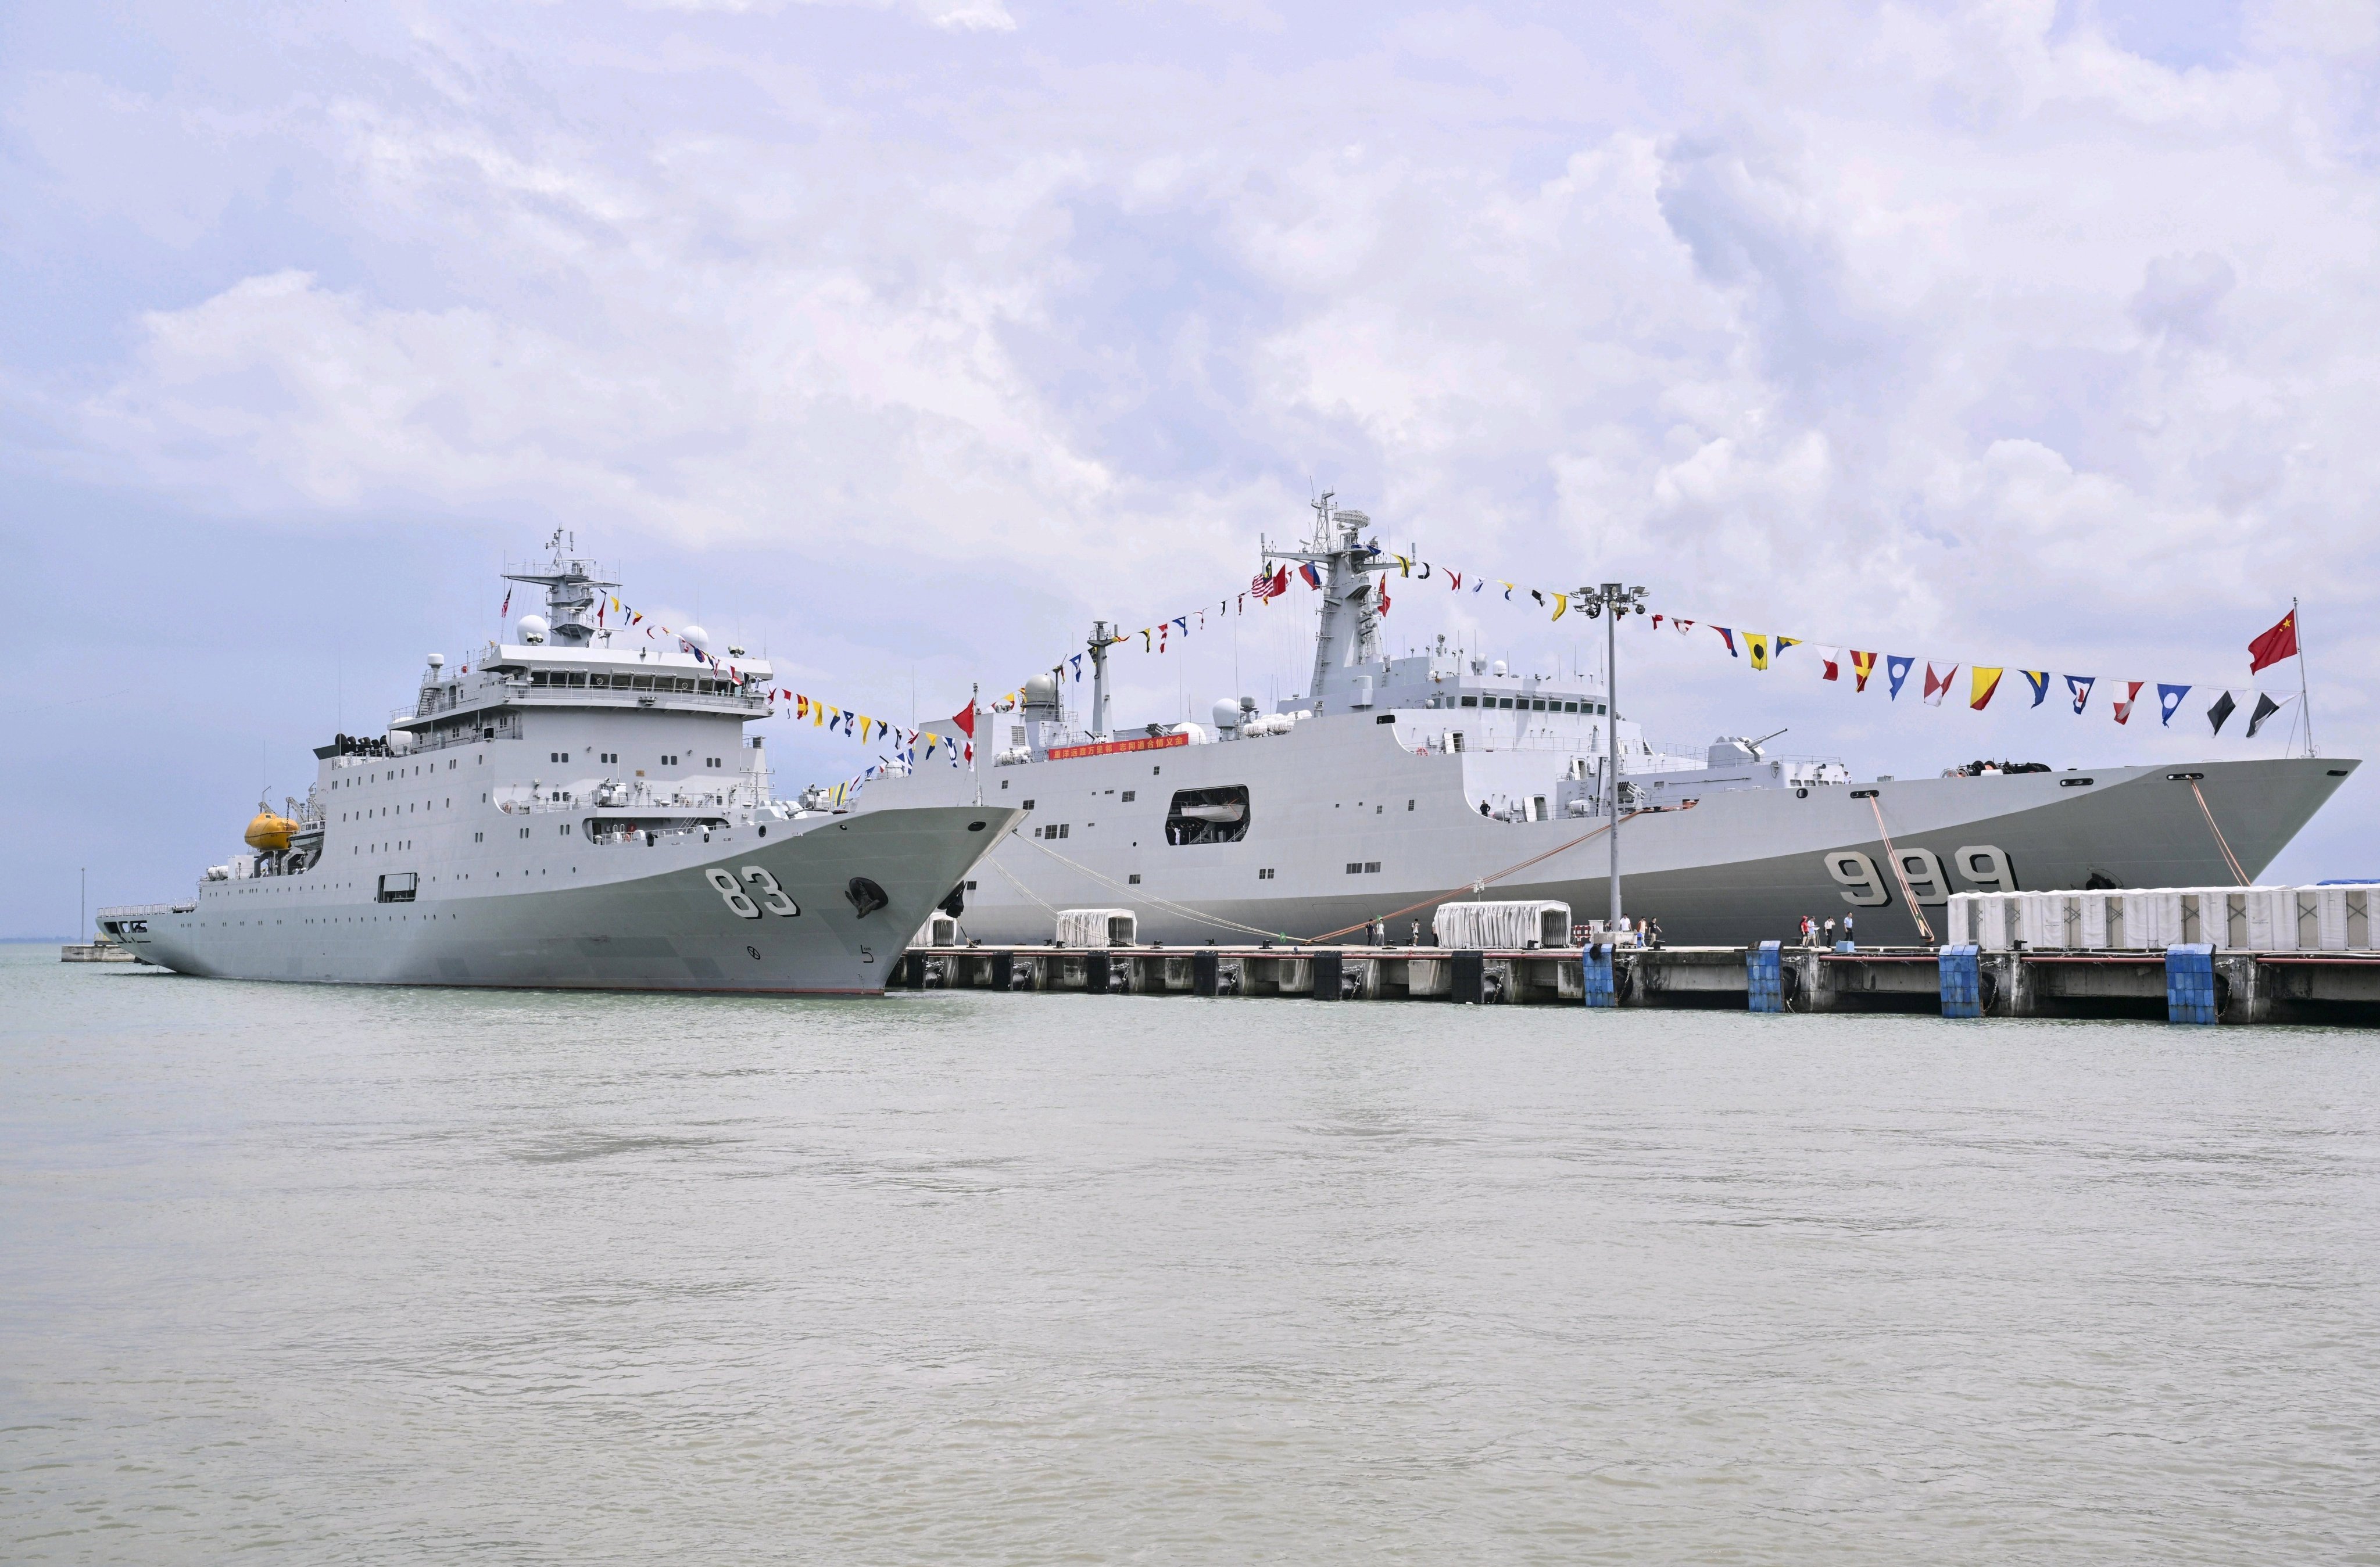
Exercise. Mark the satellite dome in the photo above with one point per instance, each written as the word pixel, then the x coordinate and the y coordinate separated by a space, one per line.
pixel 1041 691
pixel 533 628
pixel 696 638
pixel 1499 666
pixel 1227 713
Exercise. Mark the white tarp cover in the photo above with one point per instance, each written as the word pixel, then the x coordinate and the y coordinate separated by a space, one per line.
pixel 2250 919
pixel 1481 926
pixel 939 930
pixel 1098 927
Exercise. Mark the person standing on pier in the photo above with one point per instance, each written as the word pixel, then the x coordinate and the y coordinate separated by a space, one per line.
pixel 1847 930
pixel 1830 930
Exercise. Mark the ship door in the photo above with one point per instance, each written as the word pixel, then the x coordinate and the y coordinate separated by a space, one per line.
pixel 1207 815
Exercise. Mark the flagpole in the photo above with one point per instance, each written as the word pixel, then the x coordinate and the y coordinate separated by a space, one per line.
pixel 2305 698
pixel 974 711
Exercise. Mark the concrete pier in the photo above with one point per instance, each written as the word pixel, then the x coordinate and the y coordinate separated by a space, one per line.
pixel 2247 987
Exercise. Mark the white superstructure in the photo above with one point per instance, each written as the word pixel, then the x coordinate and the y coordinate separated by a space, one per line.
pixel 578 807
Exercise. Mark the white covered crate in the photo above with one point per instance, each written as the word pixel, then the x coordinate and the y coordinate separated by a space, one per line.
pixel 2047 918
pixel 1981 919
pixel 2248 919
pixel 2153 918
pixel 1513 924
pixel 2343 917
pixel 2272 919
pixel 1098 927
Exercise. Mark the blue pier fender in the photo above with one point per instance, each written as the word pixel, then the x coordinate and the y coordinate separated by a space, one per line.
pixel 2190 985
pixel 1961 982
pixel 1765 975
pixel 1595 970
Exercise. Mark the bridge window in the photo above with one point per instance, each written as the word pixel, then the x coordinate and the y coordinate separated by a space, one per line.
pixel 1471 702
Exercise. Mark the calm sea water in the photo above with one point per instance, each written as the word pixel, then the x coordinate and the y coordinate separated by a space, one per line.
pixel 323 1274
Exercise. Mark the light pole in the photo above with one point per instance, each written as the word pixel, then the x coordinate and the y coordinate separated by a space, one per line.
pixel 1612 601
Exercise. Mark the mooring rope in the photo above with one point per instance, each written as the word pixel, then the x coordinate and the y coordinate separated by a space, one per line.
pixel 1898 875
pixel 1478 886
pixel 1145 896
pixel 2228 858
pixel 1186 912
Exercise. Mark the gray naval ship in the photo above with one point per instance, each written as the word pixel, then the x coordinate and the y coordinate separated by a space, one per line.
pixel 579 808
pixel 1391 785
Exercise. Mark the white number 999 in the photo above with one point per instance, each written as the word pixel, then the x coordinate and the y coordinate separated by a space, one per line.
pixel 1856 873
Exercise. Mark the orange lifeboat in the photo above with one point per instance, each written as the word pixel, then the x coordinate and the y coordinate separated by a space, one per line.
pixel 269 830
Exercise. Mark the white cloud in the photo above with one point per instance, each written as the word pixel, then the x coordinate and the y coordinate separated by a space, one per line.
pixel 1958 324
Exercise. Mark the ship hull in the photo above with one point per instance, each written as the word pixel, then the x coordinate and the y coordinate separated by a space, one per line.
pixel 633 917
pixel 1346 827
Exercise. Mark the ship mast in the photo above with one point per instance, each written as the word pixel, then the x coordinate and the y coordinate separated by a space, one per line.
pixel 1103 634
pixel 1348 599
pixel 570 587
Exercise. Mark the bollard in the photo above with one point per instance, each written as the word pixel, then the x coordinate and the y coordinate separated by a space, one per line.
pixel 1328 964
pixel 2190 984
pixel 1205 972
pixel 1961 982
pixel 1765 978
pixel 1469 970
pixel 1594 976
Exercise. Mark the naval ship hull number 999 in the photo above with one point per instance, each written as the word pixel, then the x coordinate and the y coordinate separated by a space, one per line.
pixel 773 897
pixel 1985 867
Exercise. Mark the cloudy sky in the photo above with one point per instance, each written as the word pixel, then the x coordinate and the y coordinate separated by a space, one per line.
pixel 904 338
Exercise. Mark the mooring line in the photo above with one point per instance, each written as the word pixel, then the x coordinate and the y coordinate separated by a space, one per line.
pixel 1898 875
pixel 2228 858
pixel 1144 896
pixel 1480 884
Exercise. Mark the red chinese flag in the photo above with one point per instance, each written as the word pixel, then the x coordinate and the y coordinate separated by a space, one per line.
pixel 965 720
pixel 2279 642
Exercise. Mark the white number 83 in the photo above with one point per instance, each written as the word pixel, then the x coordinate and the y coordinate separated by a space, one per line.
pixel 773 897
